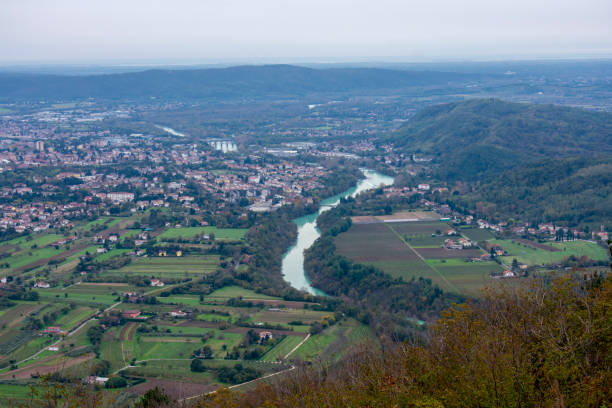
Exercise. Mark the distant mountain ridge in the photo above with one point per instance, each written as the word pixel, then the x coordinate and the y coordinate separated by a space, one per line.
pixel 239 81
pixel 479 137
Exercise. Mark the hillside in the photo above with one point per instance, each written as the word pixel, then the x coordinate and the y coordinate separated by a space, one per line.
pixel 544 345
pixel 573 191
pixel 483 137
pixel 234 82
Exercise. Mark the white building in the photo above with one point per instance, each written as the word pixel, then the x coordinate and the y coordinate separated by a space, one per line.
pixel 120 197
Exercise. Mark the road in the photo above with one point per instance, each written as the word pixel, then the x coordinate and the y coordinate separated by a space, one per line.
pixel 94 317
pixel 70 333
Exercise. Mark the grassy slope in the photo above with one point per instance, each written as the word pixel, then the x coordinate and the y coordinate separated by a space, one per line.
pixel 533 256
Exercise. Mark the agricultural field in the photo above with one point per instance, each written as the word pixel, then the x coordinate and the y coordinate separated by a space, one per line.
pixel 161 338
pixel 168 267
pixel 286 345
pixel 415 249
pixel 95 321
pixel 397 217
pixel 52 256
pixel 79 298
pixel 229 292
pixel 369 243
pixel 15 393
pixel 477 234
pixel 421 228
pixel 221 234
pixel 178 380
pixel 334 341
pixel 531 255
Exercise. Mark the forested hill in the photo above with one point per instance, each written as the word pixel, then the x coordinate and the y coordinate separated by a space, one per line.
pixel 480 137
pixel 571 191
pixel 241 81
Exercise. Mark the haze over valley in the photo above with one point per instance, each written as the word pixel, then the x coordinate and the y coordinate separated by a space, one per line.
pixel 215 205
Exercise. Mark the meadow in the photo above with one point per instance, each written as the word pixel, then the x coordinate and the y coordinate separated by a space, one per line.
pixel 228 292
pixel 530 255
pixel 283 348
pixel 334 342
pixel 222 234
pixel 169 267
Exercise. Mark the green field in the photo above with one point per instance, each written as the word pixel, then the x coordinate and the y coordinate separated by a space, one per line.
pixel 12 393
pixel 185 329
pixel 113 252
pixel 99 288
pixel 420 227
pixel 107 222
pixel 476 234
pixel 282 349
pixel 58 295
pixel 222 234
pixel 170 347
pixel 173 369
pixel 468 277
pixel 535 256
pixel 314 346
pixel 425 241
pixel 29 256
pixel 284 316
pixel 403 269
pixel 80 338
pixel 334 341
pixel 39 240
pixel 188 300
pixel 30 348
pixel 178 347
pixel 74 317
pixel 213 317
pixel 169 267
pixel 228 292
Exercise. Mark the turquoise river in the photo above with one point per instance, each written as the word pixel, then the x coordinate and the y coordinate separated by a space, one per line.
pixel 293 260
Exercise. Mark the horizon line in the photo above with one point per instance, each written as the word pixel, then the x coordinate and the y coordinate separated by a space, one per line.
pixel 179 62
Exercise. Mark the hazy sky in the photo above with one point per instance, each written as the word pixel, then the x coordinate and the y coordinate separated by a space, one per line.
pixel 217 30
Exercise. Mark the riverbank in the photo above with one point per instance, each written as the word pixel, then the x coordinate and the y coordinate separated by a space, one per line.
pixel 307 232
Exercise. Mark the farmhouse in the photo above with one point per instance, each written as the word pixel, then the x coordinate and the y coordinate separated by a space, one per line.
pixel 156 282
pixel 53 330
pixel 450 244
pixel 42 284
pixel 178 313
pixel 464 242
pixel 265 335
pixel 92 379
pixel 130 314
pixel 132 297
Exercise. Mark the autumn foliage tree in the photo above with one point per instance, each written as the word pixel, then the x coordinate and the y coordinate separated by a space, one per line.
pixel 547 345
